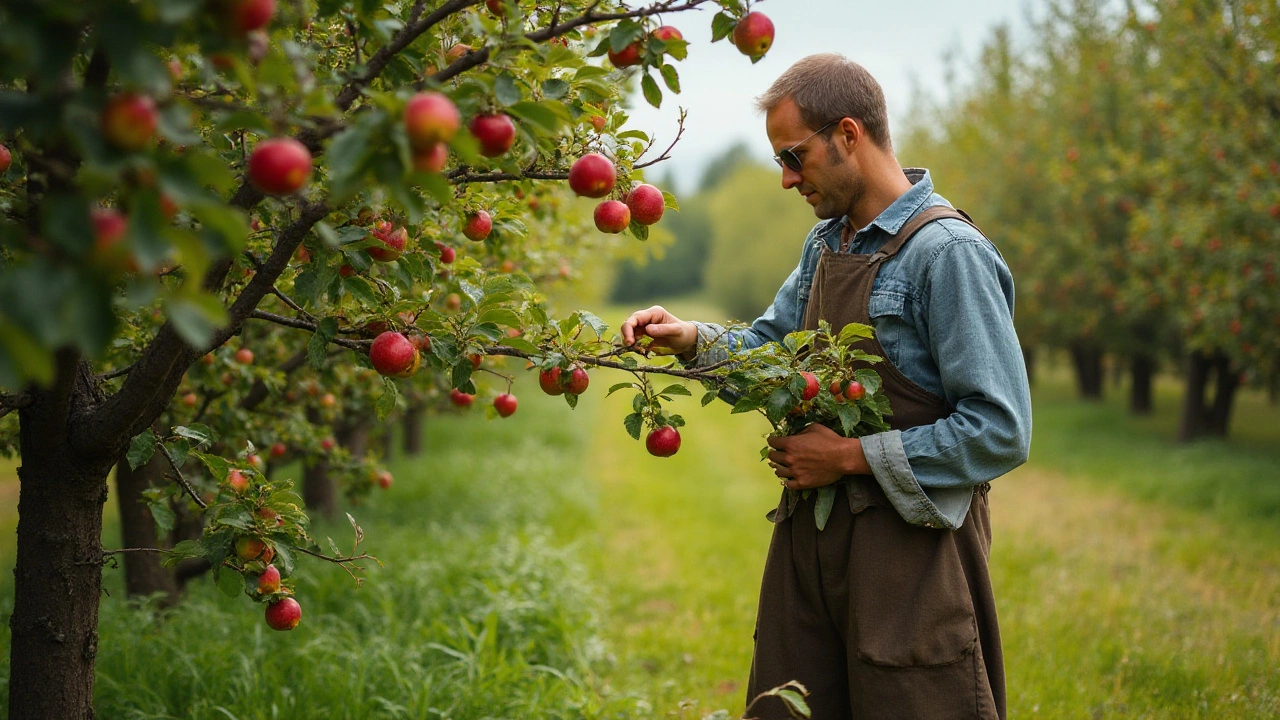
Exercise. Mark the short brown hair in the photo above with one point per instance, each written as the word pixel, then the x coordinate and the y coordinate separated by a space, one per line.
pixel 827 87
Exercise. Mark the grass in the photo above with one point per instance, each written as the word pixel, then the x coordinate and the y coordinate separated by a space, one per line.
pixel 546 566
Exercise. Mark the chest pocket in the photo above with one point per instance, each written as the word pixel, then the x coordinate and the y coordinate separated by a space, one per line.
pixel 887 309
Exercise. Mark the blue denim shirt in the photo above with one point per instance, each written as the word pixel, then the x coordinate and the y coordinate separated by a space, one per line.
pixel 942 309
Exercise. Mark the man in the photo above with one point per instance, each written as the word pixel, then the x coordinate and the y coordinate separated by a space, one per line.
pixel 888 611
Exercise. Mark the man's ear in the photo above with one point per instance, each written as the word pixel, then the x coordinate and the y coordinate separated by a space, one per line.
pixel 849 134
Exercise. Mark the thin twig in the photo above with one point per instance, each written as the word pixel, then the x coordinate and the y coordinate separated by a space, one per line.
pixel 359 345
pixel 135 550
pixel 182 480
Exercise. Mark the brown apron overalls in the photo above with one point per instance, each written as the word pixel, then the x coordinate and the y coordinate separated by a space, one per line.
pixel 876 617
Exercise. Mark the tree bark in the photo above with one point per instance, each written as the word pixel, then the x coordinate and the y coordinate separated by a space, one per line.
pixel 319 492
pixel 1228 381
pixel 58 575
pixel 144 574
pixel 1086 357
pixel 1143 370
pixel 1193 423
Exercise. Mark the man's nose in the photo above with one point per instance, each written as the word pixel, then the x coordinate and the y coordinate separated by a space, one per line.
pixel 790 178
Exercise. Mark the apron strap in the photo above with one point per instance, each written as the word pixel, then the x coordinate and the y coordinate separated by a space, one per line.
pixel 922 218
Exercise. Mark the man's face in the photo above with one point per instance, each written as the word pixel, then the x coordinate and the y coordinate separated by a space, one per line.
pixel 828 179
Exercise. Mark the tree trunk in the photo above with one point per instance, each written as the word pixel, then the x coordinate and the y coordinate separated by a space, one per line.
pixel 319 491
pixel 58 581
pixel 1029 360
pixel 1228 381
pixel 1086 357
pixel 143 573
pixel 414 425
pixel 1192 424
pixel 1143 370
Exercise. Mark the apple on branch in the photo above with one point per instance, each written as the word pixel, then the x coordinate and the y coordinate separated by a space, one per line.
pixel 612 216
pixel 753 35
pixel 279 166
pixel 393 241
pixel 505 404
pixel 592 175
pixel 430 118
pixel 663 441
pixel 284 614
pixel 129 121
pixel 6 159
pixel 393 355
pixel 646 204
pixel 495 132
pixel 478 226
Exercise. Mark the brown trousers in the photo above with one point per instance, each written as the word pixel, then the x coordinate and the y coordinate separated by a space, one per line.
pixel 879 618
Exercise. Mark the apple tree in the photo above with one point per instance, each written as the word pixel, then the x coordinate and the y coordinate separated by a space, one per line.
pixel 205 207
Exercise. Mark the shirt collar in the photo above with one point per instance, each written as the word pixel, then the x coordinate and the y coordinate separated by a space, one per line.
pixel 892 218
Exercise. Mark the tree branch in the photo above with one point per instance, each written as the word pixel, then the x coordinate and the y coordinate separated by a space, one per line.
pixel 182 480
pixel 358 345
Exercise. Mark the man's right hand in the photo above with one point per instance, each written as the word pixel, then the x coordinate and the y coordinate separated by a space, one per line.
pixel 667 330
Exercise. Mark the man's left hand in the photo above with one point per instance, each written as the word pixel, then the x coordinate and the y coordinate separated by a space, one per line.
pixel 815 457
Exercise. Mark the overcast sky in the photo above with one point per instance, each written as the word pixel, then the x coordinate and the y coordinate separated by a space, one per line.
pixel 903 44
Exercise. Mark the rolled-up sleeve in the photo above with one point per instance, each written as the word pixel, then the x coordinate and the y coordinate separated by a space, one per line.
pixel 928 471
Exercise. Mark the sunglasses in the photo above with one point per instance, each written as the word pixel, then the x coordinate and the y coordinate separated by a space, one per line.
pixel 787 157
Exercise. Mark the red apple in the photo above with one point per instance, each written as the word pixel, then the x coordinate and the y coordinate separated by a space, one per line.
pixel 476 359
pixel 256 462
pixel 207 359
pixel 393 241
pixel 393 355
pixel 495 132
pixel 384 479
pixel 505 404
pixel 328 444
pixel 598 122
pixel 836 389
pixel 190 400
pixel 447 254
pixel 280 166
pixel 269 581
pixel 244 16
pixel 6 159
pixel 628 56
pixel 278 450
pixel 495 7
pixel 478 226
pixel 109 228
pixel 646 204
pixel 346 271
pixel 753 34
pixel 237 481
pixel 430 118
pixel 452 301
pixel 855 391
pixel 459 398
pixel 284 614
pixel 592 175
pixel 612 216
pixel 328 400
pixel 810 385
pixel 129 121
pixel 252 548
pixel 269 517
pixel 432 159
pixel 663 441
pixel 667 32
pixel 507 266
pixel 244 356
pixel 549 381
pixel 578 381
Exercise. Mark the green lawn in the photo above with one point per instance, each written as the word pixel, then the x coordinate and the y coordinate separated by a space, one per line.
pixel 546 566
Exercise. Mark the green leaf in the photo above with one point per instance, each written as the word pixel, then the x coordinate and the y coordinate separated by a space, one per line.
pixel 555 89
pixel 572 400
pixel 623 34
pixel 318 345
pixel 795 700
pixel 598 326
pixel 747 403
pixel 348 155
pixel 869 378
pixel 195 317
pixel 201 434
pixel 853 332
pixel 671 78
pixel 141 448
pixel 548 115
pixel 230 582
pixel 669 201
pixel 506 89
pixel 619 386
pixel 652 93
pixel 387 401
pixel 780 401
pixel 362 291
pixel 164 516
pixel 709 398
pixel 640 231
pixel 822 507
pixel 676 389
pixel 501 316
pixel 178 451
pixel 722 26
pixel 284 560
pixel 850 416
pixel 218 466
pixel 234 516
pixel 633 422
